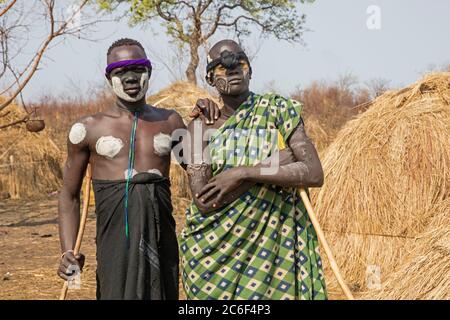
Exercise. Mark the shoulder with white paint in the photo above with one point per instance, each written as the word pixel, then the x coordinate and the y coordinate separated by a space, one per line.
pixel 162 144
pixel 79 130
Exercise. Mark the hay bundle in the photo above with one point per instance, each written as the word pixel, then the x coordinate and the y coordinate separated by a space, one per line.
pixel 29 162
pixel 179 182
pixel 425 274
pixel 317 134
pixel 384 173
pixel 180 96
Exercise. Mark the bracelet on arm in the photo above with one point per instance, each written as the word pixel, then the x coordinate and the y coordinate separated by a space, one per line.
pixel 65 252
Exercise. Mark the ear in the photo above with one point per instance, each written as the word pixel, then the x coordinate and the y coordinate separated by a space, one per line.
pixel 210 78
pixel 108 78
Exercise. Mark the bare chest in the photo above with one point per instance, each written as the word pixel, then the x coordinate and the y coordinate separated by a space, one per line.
pixel 114 141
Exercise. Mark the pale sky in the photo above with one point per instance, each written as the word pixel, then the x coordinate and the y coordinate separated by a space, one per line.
pixel 413 35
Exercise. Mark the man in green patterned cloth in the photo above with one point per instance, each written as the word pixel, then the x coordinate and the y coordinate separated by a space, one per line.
pixel 247 233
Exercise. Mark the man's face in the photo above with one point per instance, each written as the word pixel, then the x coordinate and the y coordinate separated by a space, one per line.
pixel 234 81
pixel 129 83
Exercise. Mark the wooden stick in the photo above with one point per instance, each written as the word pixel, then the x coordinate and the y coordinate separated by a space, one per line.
pixel 324 243
pixel 13 190
pixel 84 213
pixel 320 234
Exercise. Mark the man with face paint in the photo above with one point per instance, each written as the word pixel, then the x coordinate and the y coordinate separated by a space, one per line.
pixel 128 147
pixel 247 234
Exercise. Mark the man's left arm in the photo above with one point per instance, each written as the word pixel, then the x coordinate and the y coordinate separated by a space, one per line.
pixel 305 171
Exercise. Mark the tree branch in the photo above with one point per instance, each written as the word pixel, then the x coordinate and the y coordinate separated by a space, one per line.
pixel 9 6
pixel 54 33
pixel 203 8
pixel 24 119
pixel 217 19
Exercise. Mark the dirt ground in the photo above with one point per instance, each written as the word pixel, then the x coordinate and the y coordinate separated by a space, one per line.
pixel 29 250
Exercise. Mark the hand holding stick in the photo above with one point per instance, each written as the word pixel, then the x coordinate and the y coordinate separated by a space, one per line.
pixel 83 219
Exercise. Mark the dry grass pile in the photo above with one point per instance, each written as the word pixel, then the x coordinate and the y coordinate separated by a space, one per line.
pixel 35 159
pixel 180 96
pixel 425 274
pixel 384 174
pixel 321 137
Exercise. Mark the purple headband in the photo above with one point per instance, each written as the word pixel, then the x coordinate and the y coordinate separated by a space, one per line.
pixel 124 63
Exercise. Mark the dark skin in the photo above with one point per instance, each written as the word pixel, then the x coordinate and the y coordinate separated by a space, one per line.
pixel 117 122
pixel 299 164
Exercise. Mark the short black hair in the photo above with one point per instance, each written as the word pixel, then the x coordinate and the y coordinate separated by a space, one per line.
pixel 124 42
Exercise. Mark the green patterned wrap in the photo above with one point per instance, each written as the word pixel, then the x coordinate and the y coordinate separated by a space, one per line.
pixel 262 245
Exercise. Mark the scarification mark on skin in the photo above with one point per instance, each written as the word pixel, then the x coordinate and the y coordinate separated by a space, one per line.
pixel 162 144
pixel 77 133
pixel 197 169
pixel 108 146
pixel 299 169
pixel 222 85
pixel 198 174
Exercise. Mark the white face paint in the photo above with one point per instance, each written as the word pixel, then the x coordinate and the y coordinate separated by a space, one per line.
pixel 108 146
pixel 162 144
pixel 77 133
pixel 120 92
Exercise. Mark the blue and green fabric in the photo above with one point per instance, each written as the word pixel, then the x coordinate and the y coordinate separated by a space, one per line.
pixel 262 245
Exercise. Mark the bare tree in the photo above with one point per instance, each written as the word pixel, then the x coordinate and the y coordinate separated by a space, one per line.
pixel 192 23
pixel 347 81
pixel 378 86
pixel 18 17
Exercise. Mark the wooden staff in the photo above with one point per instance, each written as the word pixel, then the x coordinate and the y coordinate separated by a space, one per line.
pixel 13 190
pixel 320 234
pixel 324 243
pixel 84 213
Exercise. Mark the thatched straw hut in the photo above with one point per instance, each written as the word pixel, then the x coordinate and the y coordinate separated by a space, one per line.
pixel 320 136
pixel 425 273
pixel 180 96
pixel 29 162
pixel 384 173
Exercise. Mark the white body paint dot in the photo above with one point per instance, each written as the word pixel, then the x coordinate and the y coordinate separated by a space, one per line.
pixel 133 173
pixel 162 144
pixel 77 133
pixel 155 171
pixel 108 146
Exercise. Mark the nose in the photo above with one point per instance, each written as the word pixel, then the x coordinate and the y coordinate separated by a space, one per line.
pixel 130 77
pixel 232 71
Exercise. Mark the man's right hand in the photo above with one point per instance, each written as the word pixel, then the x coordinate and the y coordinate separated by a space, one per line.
pixel 69 263
pixel 206 109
